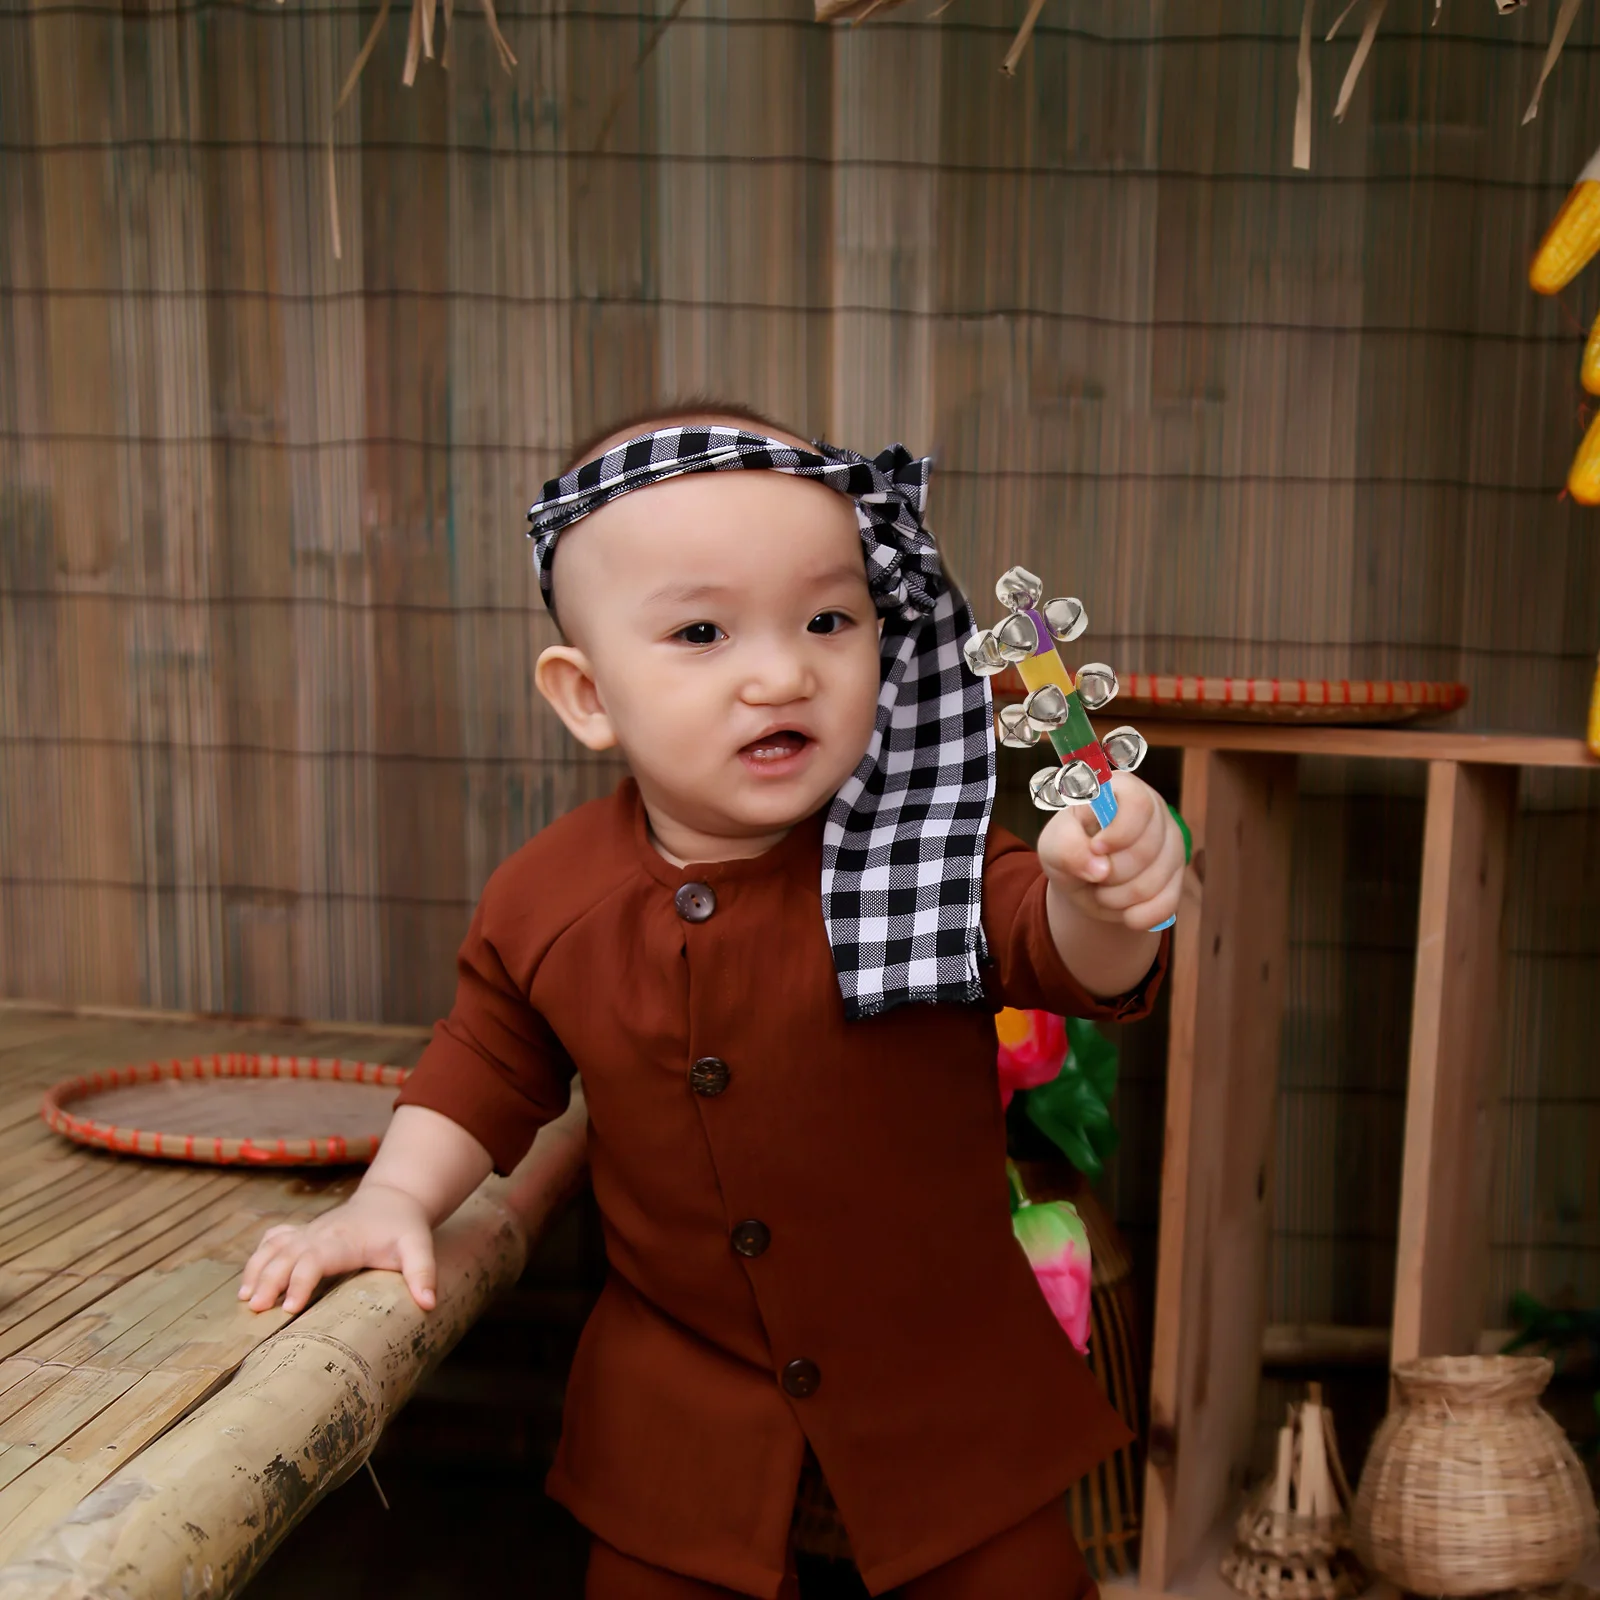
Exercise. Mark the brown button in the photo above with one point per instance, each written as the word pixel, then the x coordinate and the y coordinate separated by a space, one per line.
pixel 695 901
pixel 800 1378
pixel 751 1238
pixel 709 1076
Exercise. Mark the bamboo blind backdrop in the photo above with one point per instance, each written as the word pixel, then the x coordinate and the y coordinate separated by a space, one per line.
pixel 267 624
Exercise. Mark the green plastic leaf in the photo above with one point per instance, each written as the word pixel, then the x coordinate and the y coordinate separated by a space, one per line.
pixel 1056 1121
pixel 1095 1055
pixel 1073 1110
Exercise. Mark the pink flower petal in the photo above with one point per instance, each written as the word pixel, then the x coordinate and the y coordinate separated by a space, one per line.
pixel 1057 1246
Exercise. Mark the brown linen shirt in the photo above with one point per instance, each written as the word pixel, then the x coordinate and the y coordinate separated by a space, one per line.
pixel 806 1219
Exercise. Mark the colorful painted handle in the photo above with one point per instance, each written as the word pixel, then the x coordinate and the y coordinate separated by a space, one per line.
pixel 1075 739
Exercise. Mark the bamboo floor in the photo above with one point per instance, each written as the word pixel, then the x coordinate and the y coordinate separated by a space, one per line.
pixel 119 1316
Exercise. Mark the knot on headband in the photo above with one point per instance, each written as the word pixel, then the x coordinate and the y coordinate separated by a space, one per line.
pixel 902 848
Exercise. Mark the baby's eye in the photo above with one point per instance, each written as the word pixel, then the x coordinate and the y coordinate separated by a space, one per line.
pixel 828 622
pixel 700 633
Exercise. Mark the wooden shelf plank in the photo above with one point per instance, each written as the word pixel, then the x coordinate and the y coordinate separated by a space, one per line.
pixel 1287 1344
pixel 1393 744
pixel 1455 1039
pixel 1228 975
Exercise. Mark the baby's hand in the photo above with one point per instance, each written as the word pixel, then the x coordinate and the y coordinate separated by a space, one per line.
pixel 1130 872
pixel 377 1227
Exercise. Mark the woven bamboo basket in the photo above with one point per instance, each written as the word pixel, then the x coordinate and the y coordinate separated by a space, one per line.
pixel 1292 1541
pixel 1470 1487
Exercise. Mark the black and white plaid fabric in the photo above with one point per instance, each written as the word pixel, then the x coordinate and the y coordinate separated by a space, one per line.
pixel 902 852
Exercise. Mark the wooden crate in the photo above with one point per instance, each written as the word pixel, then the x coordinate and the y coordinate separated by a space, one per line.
pixel 1238 793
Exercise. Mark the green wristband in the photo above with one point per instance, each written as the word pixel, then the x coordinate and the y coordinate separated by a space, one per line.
pixel 1183 828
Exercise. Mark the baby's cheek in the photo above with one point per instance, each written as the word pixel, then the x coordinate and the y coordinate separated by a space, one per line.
pixel 859 691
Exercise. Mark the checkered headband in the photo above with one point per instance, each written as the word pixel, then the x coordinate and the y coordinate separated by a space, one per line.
pixel 902 848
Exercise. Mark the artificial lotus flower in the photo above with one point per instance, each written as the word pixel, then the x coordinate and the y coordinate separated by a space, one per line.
pixel 1033 1047
pixel 1056 1244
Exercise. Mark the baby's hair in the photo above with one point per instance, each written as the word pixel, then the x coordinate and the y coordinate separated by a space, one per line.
pixel 666 415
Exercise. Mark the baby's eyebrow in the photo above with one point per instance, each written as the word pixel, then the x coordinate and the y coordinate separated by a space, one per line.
pixel 678 594
pixel 685 593
pixel 848 572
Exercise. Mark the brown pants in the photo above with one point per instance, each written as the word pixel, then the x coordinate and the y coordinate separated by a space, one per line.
pixel 1036 1560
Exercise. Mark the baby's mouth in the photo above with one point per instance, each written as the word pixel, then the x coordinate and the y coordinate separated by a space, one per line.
pixel 775 747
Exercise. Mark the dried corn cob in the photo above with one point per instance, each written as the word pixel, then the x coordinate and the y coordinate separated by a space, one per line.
pixel 1591 359
pixel 1583 482
pixel 1594 713
pixel 1573 238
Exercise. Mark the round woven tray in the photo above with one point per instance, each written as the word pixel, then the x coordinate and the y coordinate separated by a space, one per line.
pixel 231 1110
pixel 1329 700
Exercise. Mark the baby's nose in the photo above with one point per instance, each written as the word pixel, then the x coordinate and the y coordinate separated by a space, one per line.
pixel 778 675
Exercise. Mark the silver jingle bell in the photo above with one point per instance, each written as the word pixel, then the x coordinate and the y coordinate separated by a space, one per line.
pixel 1018 589
pixel 1065 618
pixel 1097 685
pixel 982 654
pixel 1017 638
pixel 1015 729
pixel 1078 784
pixel 1045 789
pixel 1125 748
pixel 1046 708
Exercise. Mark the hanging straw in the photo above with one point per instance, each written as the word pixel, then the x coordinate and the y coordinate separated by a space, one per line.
pixel 419 44
pixel 656 35
pixel 363 56
pixel 1369 31
pixel 1558 37
pixel 851 10
pixel 1302 104
pixel 1020 43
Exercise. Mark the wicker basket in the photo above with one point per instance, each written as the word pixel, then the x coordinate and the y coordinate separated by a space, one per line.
pixel 1470 1487
pixel 1104 1507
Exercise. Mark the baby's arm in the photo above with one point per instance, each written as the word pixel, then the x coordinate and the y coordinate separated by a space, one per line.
pixel 425 1167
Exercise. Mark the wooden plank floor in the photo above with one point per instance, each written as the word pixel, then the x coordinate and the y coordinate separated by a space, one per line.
pixel 118 1275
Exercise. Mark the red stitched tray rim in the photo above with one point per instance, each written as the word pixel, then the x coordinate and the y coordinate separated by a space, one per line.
pixel 1165 691
pixel 217 1149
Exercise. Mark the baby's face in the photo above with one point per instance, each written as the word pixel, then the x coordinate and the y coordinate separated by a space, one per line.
pixel 732 645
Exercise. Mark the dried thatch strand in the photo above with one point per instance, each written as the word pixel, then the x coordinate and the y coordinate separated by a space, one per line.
pixel 852 10
pixel 860 10
pixel 1470 1486
pixel 419 43
pixel 1369 31
pixel 1024 34
pixel 1558 37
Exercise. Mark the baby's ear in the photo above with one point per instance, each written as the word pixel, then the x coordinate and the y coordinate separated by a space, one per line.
pixel 565 678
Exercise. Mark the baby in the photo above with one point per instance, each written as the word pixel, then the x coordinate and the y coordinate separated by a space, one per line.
pixel 774 955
